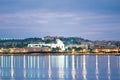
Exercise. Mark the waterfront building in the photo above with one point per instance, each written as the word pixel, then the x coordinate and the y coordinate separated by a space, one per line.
pixel 84 46
pixel 39 49
pixel 106 50
pixel 59 44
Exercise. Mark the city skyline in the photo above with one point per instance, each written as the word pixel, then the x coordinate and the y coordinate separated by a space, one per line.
pixel 93 20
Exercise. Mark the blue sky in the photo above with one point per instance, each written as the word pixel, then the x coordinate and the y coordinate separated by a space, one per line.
pixel 90 19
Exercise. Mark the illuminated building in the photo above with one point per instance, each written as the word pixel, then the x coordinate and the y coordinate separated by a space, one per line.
pixel 59 44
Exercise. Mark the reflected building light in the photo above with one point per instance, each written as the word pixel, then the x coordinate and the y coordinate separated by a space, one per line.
pixel 31 62
pixel 84 68
pixel 38 73
pixel 8 61
pixel 38 63
pixel 60 65
pixel 18 61
pixel 97 71
pixel 3 64
pixel 66 65
pixel 24 65
pixel 34 61
pixel 24 74
pixel 60 61
pixel 24 62
pixel 61 73
pixel 1 61
pixel 119 61
pixel 12 68
pixel 66 61
pixel 77 62
pixel 28 62
pixel 81 62
pixel 109 68
pixel 4 61
pixel 49 69
pixel 43 63
pixel 73 67
pixel 1 57
pixel 73 63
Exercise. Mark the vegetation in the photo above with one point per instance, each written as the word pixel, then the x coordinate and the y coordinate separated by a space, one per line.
pixel 18 43
pixel 22 43
pixel 56 49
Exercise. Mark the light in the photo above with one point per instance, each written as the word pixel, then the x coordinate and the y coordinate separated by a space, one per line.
pixel 73 50
pixel 96 50
pixel 84 50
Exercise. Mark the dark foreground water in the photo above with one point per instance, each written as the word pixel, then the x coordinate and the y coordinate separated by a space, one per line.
pixel 60 67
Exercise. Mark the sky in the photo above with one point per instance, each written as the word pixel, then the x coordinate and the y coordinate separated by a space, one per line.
pixel 89 19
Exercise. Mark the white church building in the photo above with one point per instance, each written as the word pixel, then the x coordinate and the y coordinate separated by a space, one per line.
pixel 59 44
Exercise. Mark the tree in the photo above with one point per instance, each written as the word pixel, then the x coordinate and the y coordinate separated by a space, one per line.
pixel 55 49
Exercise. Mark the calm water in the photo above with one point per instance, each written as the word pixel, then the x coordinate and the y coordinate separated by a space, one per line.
pixel 62 67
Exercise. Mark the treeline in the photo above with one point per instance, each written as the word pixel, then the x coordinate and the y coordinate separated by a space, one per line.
pixel 22 43
pixel 18 43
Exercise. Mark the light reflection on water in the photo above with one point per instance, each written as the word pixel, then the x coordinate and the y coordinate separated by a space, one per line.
pixel 60 67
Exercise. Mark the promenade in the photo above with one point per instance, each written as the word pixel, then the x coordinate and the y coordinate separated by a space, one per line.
pixel 49 50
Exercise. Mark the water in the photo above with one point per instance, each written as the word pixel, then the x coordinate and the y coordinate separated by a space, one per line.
pixel 60 67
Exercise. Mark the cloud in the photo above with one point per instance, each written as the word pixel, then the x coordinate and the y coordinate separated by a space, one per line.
pixel 92 33
pixel 44 17
pixel 60 23
pixel 35 18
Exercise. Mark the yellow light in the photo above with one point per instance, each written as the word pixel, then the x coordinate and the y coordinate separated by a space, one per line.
pixel 96 50
pixel 73 50
pixel 84 50
pixel 11 50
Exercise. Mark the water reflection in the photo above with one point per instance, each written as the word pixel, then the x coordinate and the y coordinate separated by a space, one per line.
pixel 97 72
pixel 24 62
pixel 49 69
pixel 109 68
pixel 60 67
pixel 84 68
pixel 12 68
pixel 73 67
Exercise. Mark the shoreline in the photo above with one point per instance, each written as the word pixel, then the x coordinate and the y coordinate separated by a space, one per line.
pixel 57 53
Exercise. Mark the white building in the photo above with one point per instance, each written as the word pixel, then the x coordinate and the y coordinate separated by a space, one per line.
pixel 76 45
pixel 59 44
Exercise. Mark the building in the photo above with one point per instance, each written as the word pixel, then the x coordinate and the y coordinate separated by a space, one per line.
pixel 84 46
pixel 59 44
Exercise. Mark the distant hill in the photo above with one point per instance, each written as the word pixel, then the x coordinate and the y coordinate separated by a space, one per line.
pixel 21 43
